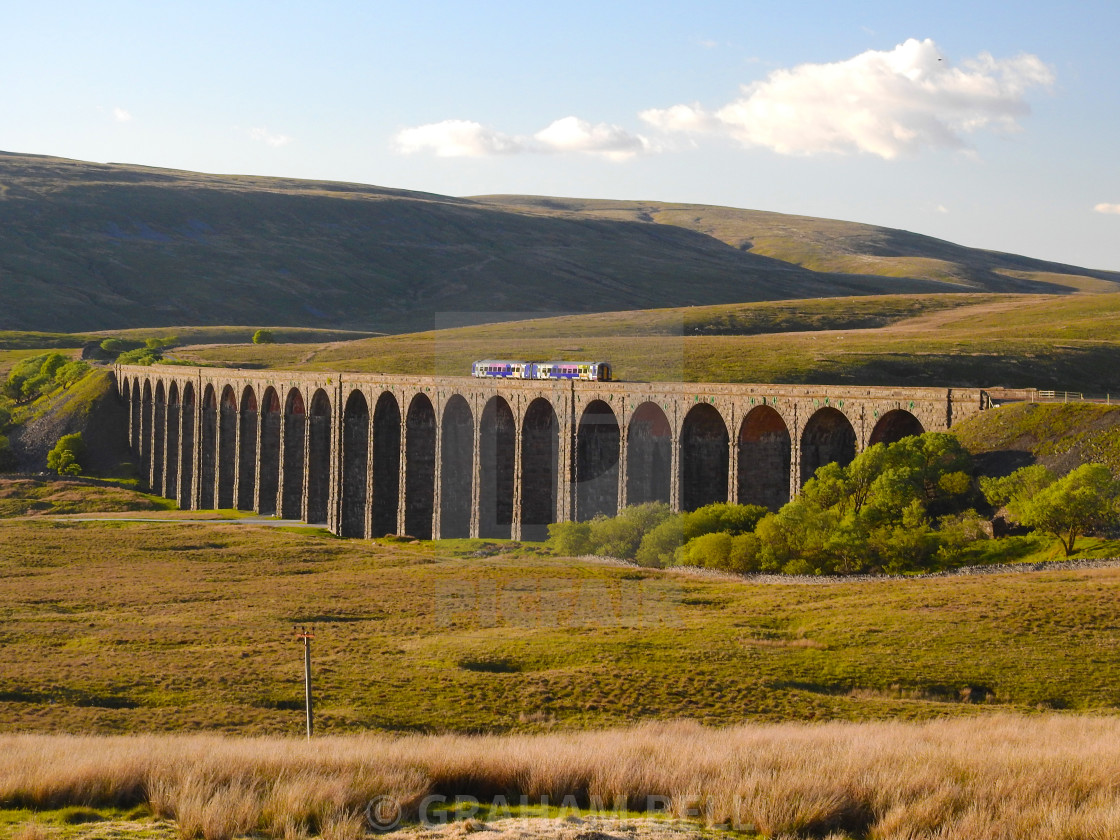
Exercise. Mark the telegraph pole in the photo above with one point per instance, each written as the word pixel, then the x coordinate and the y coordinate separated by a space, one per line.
pixel 307 636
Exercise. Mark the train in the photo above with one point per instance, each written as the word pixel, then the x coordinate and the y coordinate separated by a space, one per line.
pixel 509 369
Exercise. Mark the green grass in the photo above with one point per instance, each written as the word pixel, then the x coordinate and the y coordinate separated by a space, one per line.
pixel 233 334
pixel 1062 436
pixel 79 822
pixel 1061 343
pixel 116 627
pixel 26 340
pixel 37 497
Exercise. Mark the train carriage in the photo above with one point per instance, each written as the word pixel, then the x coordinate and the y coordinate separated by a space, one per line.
pixel 510 369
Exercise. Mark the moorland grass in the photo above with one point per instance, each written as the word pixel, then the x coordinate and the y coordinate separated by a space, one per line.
pixel 33 496
pixel 1060 435
pixel 1060 343
pixel 115 627
pixel 1003 777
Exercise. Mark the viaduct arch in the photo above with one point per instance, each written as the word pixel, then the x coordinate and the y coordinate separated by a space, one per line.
pixel 369 455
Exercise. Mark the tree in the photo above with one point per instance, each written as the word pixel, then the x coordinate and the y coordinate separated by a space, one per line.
pixel 1023 484
pixel 116 346
pixel 70 373
pixel 873 513
pixel 1082 501
pixel 66 455
pixel 264 337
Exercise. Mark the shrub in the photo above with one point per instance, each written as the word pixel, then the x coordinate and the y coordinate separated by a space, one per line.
pixel 722 517
pixel 615 536
pixel 745 555
pixel 958 531
pixel 659 546
pixel 621 536
pixel 65 458
pixel 708 551
pixel 570 538
pixel 116 346
pixel 264 337
pixel 140 356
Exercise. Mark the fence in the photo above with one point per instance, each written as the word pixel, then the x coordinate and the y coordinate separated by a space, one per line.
pixel 1073 396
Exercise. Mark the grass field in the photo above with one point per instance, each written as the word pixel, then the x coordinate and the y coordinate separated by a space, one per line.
pixel 1060 343
pixel 119 627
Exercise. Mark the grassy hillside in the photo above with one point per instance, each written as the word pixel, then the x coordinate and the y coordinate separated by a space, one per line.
pixel 171 626
pixel 108 246
pixel 829 245
pixel 1060 436
pixel 1049 342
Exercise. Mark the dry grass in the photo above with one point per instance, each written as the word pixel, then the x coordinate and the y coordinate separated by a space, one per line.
pixel 1003 777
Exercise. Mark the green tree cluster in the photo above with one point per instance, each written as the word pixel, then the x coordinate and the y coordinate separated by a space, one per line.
pixel 881 512
pixel 651 534
pixel 127 351
pixel 140 356
pixel 263 336
pixel 65 457
pixel 905 506
pixel 1084 501
pixel 32 378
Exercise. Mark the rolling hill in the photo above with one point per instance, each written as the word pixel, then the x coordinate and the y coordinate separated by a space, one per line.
pixel 87 246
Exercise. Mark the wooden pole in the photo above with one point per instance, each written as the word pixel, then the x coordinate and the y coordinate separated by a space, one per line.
pixel 307 636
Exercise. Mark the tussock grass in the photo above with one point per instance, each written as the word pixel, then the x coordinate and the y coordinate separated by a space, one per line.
pixel 1006 777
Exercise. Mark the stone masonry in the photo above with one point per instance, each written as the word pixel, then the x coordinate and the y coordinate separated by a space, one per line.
pixel 367 455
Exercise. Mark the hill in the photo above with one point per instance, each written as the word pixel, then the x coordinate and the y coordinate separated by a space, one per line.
pixel 87 246
pixel 1067 343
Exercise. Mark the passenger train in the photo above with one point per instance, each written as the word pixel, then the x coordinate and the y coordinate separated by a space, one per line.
pixel 506 369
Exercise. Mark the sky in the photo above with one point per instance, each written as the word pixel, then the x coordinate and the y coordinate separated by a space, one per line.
pixel 990 124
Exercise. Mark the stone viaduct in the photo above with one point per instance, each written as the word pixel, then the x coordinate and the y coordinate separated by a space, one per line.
pixel 438 457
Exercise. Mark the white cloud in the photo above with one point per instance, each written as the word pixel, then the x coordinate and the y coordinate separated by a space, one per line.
pixel 572 134
pixel 1108 208
pixel 941 208
pixel 691 118
pixel 465 138
pixel 121 115
pixel 263 135
pixel 885 103
pixel 456 138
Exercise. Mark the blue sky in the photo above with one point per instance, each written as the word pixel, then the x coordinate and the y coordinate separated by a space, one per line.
pixel 990 124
